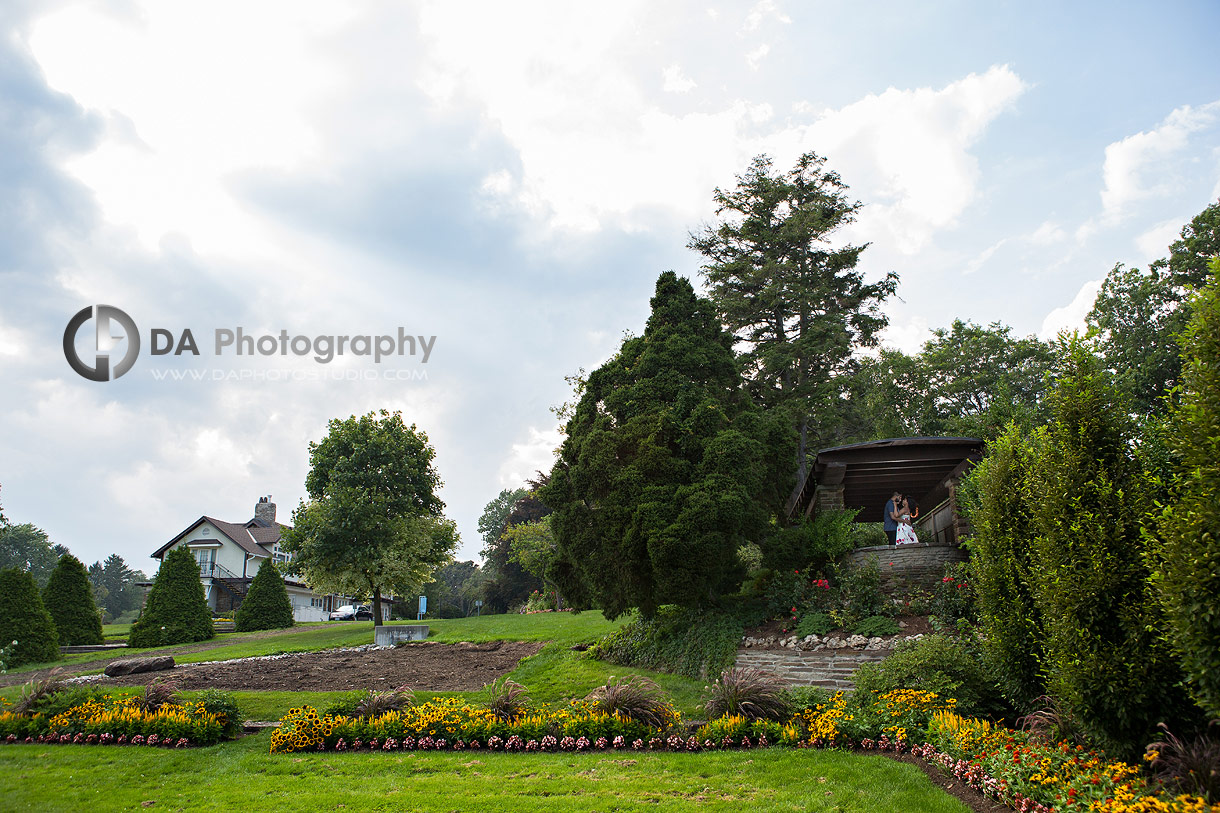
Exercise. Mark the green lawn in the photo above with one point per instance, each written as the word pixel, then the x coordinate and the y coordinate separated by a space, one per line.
pixel 242 776
pixel 555 673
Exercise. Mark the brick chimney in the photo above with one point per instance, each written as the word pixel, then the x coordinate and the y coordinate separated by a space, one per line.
pixel 265 510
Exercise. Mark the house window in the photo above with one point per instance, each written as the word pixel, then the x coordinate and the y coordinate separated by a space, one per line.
pixel 206 557
pixel 278 556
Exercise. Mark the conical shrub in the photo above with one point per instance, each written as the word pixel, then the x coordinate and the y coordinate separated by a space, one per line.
pixel 24 619
pixel 266 606
pixel 68 597
pixel 176 611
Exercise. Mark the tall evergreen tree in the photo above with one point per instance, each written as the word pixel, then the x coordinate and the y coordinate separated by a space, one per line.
pixel 664 468
pixel 1105 650
pixel 177 610
pixel 24 619
pixel 793 298
pixel 1187 559
pixel 68 597
pixel 997 500
pixel 266 605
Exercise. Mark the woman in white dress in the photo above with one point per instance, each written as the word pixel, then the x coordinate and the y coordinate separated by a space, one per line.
pixel 906 532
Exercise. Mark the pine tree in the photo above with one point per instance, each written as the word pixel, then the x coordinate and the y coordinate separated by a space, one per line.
pixel 24 619
pixel 266 606
pixel 68 597
pixel 176 611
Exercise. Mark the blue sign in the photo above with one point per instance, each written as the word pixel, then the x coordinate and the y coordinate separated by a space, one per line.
pixel 423 606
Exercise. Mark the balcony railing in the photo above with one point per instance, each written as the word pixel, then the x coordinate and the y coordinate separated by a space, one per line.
pixel 214 570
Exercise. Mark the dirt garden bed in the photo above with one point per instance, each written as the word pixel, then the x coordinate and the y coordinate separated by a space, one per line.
pixel 424 666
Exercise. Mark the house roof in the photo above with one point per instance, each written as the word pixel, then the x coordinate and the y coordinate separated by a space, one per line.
pixel 871 472
pixel 256 537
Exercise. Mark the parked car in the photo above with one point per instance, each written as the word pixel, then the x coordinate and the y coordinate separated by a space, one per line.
pixel 352 612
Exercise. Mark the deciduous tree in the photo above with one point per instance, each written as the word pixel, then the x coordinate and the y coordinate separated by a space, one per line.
pixel 373 521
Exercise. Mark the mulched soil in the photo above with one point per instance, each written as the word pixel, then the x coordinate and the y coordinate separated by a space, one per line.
pixel 423 666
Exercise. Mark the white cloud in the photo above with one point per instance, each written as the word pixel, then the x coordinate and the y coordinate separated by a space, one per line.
pixel 909 151
pixel 231 89
pixel 1071 316
pixel 754 58
pixel 1142 165
pixel 1048 234
pixel 676 81
pixel 983 256
pixel 1154 242
pixel 909 336
pixel 536 453
pixel 762 10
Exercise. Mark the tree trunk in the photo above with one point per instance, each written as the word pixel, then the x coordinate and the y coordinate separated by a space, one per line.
pixel 376 604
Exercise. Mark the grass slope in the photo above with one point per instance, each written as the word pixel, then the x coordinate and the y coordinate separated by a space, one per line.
pixel 242 775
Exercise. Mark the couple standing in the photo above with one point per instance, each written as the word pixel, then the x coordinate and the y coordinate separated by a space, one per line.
pixel 899 512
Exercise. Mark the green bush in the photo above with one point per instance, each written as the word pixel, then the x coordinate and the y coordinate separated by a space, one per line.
pixel 266 605
pixel 176 611
pixel 954 597
pixel 811 544
pixel 68 597
pixel 814 624
pixel 1186 557
pixel 858 592
pixel 1106 654
pixel 875 626
pixel 222 703
pixel 938 663
pixel 808 697
pixel 677 640
pixel 24 619
pixel 995 498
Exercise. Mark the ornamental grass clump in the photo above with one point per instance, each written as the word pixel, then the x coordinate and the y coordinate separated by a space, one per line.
pixel 749 692
pixel 38 691
pixel 374 704
pixel 506 699
pixel 1192 766
pixel 161 692
pixel 636 698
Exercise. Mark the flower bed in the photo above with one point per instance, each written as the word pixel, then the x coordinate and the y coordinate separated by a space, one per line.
pixel 111 720
pixel 1002 764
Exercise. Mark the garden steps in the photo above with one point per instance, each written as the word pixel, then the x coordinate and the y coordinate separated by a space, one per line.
pixel 825 668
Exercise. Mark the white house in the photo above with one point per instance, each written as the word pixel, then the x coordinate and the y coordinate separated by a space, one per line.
pixel 230 553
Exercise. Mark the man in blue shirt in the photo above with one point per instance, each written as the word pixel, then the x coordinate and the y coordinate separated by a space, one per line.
pixel 890 520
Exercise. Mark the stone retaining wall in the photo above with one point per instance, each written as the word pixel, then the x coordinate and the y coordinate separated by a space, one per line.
pixel 908 566
pixel 826 668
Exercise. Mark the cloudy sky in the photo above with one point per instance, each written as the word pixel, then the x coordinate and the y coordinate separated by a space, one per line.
pixel 511 177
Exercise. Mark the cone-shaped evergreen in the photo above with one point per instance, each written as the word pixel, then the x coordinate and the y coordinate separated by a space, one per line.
pixel 68 597
pixel 25 620
pixel 665 466
pixel 266 606
pixel 176 611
